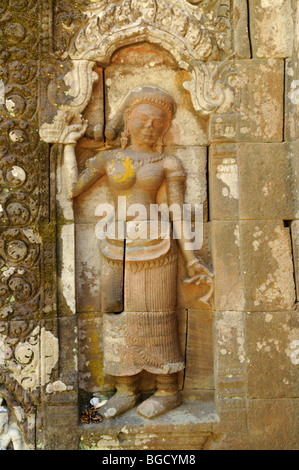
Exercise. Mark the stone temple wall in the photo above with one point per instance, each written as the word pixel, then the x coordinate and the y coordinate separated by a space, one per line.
pixel 233 69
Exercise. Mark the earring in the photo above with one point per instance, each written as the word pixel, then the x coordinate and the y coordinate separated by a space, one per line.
pixel 160 146
pixel 125 139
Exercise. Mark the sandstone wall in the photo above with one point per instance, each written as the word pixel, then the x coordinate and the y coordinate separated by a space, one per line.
pixel 237 83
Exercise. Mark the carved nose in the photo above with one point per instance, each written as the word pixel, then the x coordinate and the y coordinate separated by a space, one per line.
pixel 149 123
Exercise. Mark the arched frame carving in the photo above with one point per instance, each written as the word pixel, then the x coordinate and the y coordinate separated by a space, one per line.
pixel 211 85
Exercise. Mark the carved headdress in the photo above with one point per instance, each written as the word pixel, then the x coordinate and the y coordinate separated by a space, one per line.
pixel 145 94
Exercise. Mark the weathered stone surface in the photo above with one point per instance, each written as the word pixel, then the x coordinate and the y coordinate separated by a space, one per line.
pixel 89 263
pixel 291 99
pixel 199 373
pixel 63 386
pixel 90 359
pixel 250 284
pixel 271 27
pixel 257 114
pixel 268 187
pixel 249 424
pixel 241 34
pixel 273 424
pixel 261 100
pixel 55 420
pixel 132 432
pixel 253 181
pixel 231 431
pixel 229 293
pixel 230 355
pixel 224 181
pixel 272 343
pixel 267 286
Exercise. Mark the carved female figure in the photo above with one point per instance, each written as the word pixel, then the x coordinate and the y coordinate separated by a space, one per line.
pixel 9 434
pixel 139 302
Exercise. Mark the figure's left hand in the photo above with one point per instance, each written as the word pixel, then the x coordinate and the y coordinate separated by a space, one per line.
pixel 201 275
pixel 197 268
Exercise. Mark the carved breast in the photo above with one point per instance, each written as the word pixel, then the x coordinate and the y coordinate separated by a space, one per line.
pixel 126 173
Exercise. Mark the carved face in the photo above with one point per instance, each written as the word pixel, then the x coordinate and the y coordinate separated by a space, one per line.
pixel 147 123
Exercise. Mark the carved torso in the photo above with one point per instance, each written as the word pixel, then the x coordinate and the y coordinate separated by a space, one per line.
pixel 136 176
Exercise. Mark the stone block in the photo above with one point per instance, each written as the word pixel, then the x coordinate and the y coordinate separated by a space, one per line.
pixel 224 181
pixel 230 355
pixel 267 285
pixel 90 359
pixel 52 433
pixel 63 386
pixel 272 344
pixel 260 92
pixel 291 130
pixel 267 185
pixel 271 27
pixel 253 181
pixel 232 427
pixel 66 270
pixel 241 33
pixel 258 111
pixel 227 267
pixel 273 424
pixel 225 127
pixel 188 427
pixel 242 280
pixel 199 373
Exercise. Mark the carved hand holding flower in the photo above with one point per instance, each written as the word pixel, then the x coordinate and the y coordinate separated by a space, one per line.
pixel 196 267
pixel 201 275
pixel 72 133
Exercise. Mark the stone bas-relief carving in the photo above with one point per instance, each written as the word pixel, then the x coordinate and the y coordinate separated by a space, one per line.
pixel 10 435
pixel 195 33
pixel 139 279
pixel 203 27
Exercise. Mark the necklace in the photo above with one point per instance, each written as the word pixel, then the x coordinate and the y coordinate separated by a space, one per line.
pixel 139 161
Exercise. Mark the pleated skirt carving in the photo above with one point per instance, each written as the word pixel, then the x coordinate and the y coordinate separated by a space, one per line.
pixel 145 335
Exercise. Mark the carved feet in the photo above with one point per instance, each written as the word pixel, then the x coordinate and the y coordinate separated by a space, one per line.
pixel 151 408
pixel 166 398
pixel 118 405
pixel 158 405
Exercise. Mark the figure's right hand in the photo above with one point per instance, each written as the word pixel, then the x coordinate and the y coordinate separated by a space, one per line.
pixel 74 132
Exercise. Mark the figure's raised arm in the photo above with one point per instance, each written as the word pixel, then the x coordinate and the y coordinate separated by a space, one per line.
pixel 94 169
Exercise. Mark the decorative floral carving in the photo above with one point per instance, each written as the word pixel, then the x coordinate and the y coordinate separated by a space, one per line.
pixel 25 297
pixel 212 87
pixel 204 29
